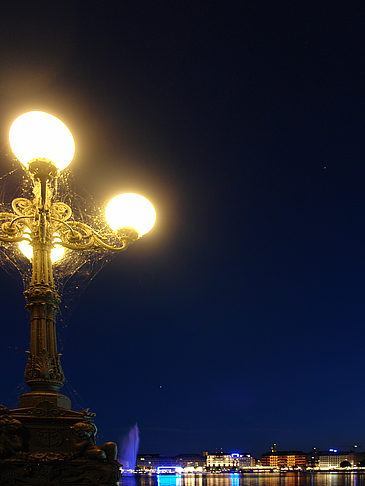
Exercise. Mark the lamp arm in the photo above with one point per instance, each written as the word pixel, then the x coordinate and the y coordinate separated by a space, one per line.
pixel 82 237
pixel 125 244
pixel 6 215
pixel 63 222
pixel 17 219
pixel 10 232
pixel 95 245
pixel 12 239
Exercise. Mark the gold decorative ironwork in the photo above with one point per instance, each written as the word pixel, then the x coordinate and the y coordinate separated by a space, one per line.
pixel 43 223
pixel 27 219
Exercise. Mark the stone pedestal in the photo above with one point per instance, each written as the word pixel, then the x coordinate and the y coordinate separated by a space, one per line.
pixel 32 399
pixel 49 471
pixel 49 445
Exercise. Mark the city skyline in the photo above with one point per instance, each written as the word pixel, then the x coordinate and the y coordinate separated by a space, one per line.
pixel 212 462
pixel 269 450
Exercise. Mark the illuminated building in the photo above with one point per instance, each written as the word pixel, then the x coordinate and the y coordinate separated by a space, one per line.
pixel 333 458
pixel 148 462
pixel 229 462
pixel 191 461
pixel 247 460
pixel 187 462
pixel 284 459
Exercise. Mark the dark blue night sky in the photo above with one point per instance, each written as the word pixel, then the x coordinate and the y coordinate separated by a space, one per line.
pixel 239 320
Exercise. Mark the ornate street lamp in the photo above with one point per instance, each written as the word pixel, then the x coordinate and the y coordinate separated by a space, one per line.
pixel 44 436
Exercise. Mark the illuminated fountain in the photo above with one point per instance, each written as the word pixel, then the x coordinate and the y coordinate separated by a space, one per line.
pixel 128 449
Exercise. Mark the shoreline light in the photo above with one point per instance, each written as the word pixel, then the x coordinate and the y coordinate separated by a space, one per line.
pixel 130 211
pixel 37 134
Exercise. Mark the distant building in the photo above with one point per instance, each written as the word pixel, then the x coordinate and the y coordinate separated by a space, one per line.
pixel 333 458
pixel 284 459
pixel 229 462
pixel 151 462
pixel 148 462
pixel 191 461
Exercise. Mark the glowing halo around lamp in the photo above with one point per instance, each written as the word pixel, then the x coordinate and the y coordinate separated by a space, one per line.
pixel 56 253
pixel 130 211
pixel 39 135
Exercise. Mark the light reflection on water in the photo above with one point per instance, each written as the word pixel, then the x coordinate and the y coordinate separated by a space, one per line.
pixel 167 480
pixel 249 479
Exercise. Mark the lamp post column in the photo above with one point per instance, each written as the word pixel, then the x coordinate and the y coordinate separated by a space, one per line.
pixel 43 371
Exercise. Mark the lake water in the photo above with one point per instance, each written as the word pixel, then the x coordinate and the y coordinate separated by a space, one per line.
pixel 249 479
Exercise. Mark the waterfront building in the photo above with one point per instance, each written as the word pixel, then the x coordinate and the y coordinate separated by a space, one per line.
pixel 187 462
pixel 247 461
pixel 334 459
pixel 191 462
pixel 148 462
pixel 284 459
pixel 229 462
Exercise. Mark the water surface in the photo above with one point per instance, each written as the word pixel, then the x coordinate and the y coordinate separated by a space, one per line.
pixel 249 479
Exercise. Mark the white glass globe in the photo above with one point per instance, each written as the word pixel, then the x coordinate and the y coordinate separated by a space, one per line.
pixel 56 253
pixel 130 211
pixel 39 135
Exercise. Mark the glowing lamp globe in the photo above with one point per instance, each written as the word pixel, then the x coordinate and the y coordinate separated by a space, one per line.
pixel 130 211
pixel 57 251
pixel 38 135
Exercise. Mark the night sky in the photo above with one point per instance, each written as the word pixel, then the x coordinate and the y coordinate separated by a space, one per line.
pixel 239 320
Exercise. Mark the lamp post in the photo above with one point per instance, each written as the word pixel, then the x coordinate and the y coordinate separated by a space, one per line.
pixel 44 440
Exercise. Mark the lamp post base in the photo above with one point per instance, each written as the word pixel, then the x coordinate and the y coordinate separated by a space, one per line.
pixel 32 399
pixel 48 445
